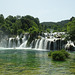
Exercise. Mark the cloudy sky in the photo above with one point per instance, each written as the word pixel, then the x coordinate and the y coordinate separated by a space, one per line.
pixel 45 10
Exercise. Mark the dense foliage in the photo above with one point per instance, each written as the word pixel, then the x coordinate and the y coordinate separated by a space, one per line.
pixel 71 29
pixel 16 25
pixel 59 55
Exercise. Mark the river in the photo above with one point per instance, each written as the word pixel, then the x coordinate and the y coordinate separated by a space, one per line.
pixel 33 62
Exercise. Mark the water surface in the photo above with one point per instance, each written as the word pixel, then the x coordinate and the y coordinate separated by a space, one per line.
pixel 34 62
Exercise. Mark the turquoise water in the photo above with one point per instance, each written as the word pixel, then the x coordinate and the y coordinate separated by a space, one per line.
pixel 34 62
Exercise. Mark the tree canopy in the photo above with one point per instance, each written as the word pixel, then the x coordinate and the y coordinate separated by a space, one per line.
pixel 71 29
pixel 14 25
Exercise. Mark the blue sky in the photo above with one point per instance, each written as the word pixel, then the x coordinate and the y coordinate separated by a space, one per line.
pixel 45 10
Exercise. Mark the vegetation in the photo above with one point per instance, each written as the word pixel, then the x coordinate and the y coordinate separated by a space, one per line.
pixel 49 54
pixel 65 53
pixel 16 25
pixel 71 29
pixel 56 26
pixel 59 55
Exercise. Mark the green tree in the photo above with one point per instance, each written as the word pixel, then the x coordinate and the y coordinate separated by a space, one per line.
pixel 33 34
pixel 71 29
pixel 11 18
pixel 1 18
pixel 20 31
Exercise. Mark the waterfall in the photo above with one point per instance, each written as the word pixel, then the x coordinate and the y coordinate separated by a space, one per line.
pixel 18 44
pixel 48 45
pixel 31 45
pixel 23 45
pixel 24 41
pixel 18 41
pixel 24 38
pixel 41 44
pixel 14 43
pixel 36 46
pixel 45 44
pixel 50 42
pixel 3 43
pixel 9 44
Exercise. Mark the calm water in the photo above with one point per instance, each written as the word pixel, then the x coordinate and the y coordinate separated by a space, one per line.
pixel 32 62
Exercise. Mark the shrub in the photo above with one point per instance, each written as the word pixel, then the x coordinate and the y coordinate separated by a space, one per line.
pixel 65 53
pixel 58 55
pixel 49 54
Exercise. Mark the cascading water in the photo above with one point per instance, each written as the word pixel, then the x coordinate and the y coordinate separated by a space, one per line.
pixel 45 44
pixel 3 43
pixel 49 42
pixel 36 46
pixel 9 43
pixel 23 45
pixel 23 39
pixel 41 44
pixel 18 43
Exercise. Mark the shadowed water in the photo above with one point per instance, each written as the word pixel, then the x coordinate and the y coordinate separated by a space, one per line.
pixel 33 62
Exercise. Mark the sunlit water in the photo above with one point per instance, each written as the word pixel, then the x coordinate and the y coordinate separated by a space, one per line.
pixel 33 62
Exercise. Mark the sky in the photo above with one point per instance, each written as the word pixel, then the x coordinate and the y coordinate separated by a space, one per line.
pixel 45 10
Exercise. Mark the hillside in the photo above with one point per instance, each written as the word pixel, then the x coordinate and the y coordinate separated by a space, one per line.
pixel 55 25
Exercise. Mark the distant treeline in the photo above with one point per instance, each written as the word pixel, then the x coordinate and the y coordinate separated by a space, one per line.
pixel 56 26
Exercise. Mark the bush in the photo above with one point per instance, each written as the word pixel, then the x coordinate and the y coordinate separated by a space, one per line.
pixel 49 54
pixel 58 55
pixel 65 53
